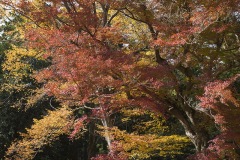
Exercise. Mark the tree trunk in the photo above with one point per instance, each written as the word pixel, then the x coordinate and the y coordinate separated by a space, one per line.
pixel 91 141
pixel 106 132
pixel 193 124
pixel 199 139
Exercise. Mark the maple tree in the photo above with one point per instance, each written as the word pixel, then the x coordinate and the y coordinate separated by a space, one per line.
pixel 220 98
pixel 156 55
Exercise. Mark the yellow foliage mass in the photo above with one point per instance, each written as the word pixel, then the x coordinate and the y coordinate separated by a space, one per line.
pixel 44 131
pixel 145 146
pixel 16 67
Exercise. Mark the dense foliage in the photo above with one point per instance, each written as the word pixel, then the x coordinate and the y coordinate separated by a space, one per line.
pixel 140 79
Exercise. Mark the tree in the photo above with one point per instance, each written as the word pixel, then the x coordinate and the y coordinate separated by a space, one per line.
pixel 220 98
pixel 36 137
pixel 9 116
pixel 190 43
pixel 19 93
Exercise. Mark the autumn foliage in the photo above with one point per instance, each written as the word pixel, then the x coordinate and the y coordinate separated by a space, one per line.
pixel 100 65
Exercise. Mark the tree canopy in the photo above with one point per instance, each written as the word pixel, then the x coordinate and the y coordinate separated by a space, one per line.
pixel 140 79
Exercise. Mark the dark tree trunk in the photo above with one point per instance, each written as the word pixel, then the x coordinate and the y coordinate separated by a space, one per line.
pixel 91 141
pixel 199 139
pixel 194 123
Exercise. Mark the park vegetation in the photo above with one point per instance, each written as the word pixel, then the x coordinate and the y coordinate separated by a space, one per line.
pixel 119 79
